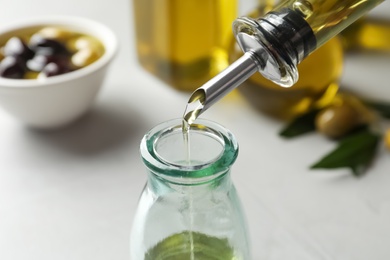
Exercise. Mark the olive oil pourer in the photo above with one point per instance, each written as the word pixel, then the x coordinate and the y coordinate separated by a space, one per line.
pixel 275 44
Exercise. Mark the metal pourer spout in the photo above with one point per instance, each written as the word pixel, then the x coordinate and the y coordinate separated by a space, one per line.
pixel 230 78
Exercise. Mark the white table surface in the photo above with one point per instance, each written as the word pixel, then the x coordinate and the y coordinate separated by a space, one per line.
pixel 71 194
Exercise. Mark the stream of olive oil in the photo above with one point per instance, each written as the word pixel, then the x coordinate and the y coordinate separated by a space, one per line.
pixel 193 109
pixel 189 249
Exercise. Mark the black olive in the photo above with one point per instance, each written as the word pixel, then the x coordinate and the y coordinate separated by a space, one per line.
pixel 12 67
pixel 54 69
pixel 40 61
pixel 17 47
pixel 47 46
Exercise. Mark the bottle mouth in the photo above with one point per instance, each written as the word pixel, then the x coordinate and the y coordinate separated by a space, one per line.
pixel 208 151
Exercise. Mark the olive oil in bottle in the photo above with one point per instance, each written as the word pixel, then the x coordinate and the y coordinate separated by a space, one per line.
pixel 317 22
pixel 189 212
pixel 184 42
pixel 317 84
pixel 329 17
pixel 178 247
pixel 275 43
pixel 294 29
pixel 368 34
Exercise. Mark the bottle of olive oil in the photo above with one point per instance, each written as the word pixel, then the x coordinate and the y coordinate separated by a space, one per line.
pixel 276 43
pixel 293 30
pixel 302 33
pixel 319 72
pixel 317 85
pixel 184 42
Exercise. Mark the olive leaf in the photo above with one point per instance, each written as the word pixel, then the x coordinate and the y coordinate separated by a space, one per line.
pixel 355 152
pixel 300 125
pixel 382 108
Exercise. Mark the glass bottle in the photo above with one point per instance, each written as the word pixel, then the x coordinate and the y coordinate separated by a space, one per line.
pixel 276 43
pixel 184 42
pixel 284 37
pixel 189 208
pixel 316 87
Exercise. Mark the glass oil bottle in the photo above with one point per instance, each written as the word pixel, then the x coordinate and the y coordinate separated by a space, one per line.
pixel 184 42
pixel 189 208
pixel 276 43
pixel 316 87
pixel 284 37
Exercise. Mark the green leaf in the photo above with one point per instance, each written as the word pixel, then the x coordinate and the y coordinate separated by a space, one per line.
pixel 300 125
pixel 355 152
pixel 382 108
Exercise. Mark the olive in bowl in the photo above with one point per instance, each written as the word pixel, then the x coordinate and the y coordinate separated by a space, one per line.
pixel 51 68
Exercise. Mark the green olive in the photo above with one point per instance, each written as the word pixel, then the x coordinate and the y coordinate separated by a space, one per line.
pixel 56 33
pixel 387 139
pixel 1 53
pixel 85 42
pixel 344 114
pixel 84 57
pixel 31 75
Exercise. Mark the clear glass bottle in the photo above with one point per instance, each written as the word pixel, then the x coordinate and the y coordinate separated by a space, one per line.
pixel 184 42
pixel 189 209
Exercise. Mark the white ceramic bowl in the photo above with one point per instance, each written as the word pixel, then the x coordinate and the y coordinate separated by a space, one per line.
pixel 61 99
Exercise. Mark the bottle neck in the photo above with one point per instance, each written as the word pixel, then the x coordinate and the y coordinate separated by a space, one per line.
pixel 160 186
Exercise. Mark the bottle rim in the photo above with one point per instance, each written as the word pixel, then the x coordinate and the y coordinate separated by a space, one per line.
pixel 188 173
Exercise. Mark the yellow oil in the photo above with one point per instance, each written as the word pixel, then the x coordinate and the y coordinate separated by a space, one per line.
pixel 368 34
pixel 327 18
pixel 318 80
pixel 178 247
pixel 184 42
